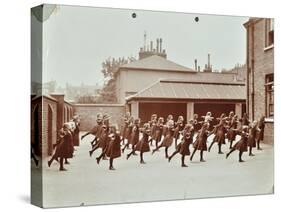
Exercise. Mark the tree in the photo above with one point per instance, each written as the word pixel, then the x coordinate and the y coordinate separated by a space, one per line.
pixel 109 68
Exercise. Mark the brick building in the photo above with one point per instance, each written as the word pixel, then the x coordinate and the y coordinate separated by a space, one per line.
pixel 48 113
pixel 260 72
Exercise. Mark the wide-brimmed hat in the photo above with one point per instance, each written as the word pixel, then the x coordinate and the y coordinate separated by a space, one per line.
pixel 75 117
pixel 99 116
pixel 66 126
pixel 137 121
pixel 161 120
pixel 106 117
pixel 171 123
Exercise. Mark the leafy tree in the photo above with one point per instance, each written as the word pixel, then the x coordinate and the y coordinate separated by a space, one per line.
pixel 109 68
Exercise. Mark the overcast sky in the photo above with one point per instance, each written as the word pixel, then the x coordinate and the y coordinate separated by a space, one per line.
pixel 78 39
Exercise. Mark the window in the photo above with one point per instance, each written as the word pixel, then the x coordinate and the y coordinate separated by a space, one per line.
pixel 269 91
pixel 269 32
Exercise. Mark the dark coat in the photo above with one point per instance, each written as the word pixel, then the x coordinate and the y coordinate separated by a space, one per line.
pixel 252 137
pixel 65 148
pixel 104 139
pixel 158 133
pixel 76 139
pixel 232 132
pixel 128 132
pixel 241 145
pixel 143 145
pixel 201 140
pixel 260 134
pixel 178 129
pixel 183 147
pixel 134 138
pixel 114 149
pixel 220 134
pixel 97 130
pixel 153 128
pixel 168 139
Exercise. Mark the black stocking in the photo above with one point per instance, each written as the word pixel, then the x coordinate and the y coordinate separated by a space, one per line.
pixel 201 156
pixel 166 152
pixel 61 163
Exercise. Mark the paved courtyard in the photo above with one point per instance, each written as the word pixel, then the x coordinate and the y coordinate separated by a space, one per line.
pixel 86 183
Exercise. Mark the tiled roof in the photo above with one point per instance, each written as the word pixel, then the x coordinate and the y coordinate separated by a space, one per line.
pixel 172 89
pixel 156 62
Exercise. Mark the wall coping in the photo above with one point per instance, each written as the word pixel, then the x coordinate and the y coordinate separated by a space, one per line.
pixel 99 105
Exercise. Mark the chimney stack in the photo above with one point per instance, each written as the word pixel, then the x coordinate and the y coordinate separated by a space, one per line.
pixel 195 61
pixel 157 45
pixel 198 68
pixel 160 49
pixel 209 61
pixel 151 46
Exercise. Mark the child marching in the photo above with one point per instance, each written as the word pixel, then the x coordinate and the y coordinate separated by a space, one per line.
pixel 241 145
pixel 183 147
pixel 143 145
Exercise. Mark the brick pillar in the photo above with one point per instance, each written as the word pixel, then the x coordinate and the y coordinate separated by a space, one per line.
pixel 238 109
pixel 189 111
pixel 135 109
pixel 60 109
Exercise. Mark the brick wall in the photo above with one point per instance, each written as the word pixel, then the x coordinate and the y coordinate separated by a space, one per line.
pixel 47 115
pixel 88 114
pixel 260 62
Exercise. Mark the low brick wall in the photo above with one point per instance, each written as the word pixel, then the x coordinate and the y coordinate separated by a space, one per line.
pixel 88 114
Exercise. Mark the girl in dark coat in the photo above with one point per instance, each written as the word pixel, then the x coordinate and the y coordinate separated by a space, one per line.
pixel 127 122
pixel 252 136
pixel 232 132
pixel 196 123
pixel 260 137
pixel 76 140
pixel 219 131
pixel 96 130
pixel 245 120
pixel 241 145
pixel 64 149
pixel 134 136
pixel 143 145
pixel 113 149
pixel 103 138
pixel 183 147
pixel 165 128
pixel 178 129
pixel 201 141
pixel 153 126
pixel 159 131
pixel 168 139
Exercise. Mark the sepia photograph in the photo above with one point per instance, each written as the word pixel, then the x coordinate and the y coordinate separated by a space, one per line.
pixel 138 106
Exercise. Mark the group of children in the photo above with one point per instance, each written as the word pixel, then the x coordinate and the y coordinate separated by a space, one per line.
pixel 164 134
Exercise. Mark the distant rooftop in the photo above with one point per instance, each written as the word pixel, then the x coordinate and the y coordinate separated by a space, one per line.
pixel 156 62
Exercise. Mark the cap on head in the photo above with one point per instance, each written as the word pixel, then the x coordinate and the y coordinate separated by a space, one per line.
pixel 180 118
pixel 66 126
pixel 170 123
pixel 137 121
pixel 106 117
pixel 161 120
